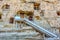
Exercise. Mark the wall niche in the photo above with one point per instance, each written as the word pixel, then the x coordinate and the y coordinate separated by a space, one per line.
pixel 58 13
pixel 36 6
pixel 5 7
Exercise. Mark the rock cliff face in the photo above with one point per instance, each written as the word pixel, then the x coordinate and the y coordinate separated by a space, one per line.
pixel 44 12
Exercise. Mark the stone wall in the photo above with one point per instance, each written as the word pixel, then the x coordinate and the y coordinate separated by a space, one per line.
pixel 50 8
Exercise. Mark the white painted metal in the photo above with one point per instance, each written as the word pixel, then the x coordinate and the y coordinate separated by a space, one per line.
pixel 39 28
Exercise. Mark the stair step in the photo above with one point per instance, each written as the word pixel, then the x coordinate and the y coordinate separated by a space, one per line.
pixel 14 28
pixel 20 34
pixel 27 28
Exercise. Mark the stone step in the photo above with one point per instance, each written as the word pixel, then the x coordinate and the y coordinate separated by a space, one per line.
pixel 20 34
pixel 14 28
pixel 51 39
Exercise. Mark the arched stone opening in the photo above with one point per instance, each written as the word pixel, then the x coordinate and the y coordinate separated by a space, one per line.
pixel 30 15
pixel 5 7
pixel 25 14
pixel 58 13
pixel 11 20
pixel 36 6
pixel 0 15
pixel 20 13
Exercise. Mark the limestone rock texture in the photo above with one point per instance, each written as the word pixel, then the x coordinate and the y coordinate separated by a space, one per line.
pixel 45 12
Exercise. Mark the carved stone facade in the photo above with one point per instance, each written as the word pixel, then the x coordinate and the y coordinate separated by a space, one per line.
pixel 43 12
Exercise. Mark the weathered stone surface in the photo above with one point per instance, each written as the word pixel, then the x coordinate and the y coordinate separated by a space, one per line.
pixel 49 7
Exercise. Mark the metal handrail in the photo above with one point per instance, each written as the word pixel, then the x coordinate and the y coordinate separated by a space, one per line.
pixel 39 28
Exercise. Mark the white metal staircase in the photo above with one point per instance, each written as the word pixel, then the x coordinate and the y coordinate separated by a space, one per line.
pixel 37 27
